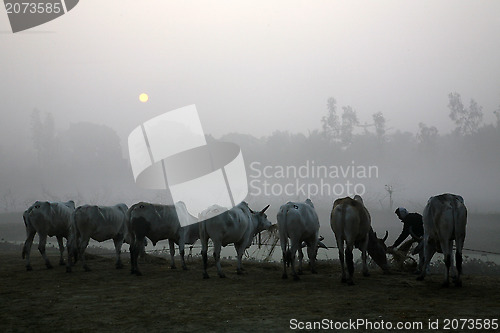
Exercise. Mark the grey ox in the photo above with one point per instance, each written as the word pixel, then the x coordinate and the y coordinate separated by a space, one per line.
pixel 299 222
pixel 158 222
pixel 99 223
pixel 351 223
pixel 445 219
pixel 47 219
pixel 238 225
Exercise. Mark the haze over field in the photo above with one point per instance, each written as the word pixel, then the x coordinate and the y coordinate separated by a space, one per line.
pixel 262 74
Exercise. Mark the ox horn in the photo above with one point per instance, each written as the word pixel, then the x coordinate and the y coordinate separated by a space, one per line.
pixel 386 235
pixel 265 208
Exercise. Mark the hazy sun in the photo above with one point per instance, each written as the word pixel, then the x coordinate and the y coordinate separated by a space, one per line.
pixel 143 97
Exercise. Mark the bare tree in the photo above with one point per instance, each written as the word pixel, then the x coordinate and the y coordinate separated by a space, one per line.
pixel 349 120
pixel 9 201
pixel 43 135
pixel 427 136
pixel 379 123
pixel 467 120
pixel 331 124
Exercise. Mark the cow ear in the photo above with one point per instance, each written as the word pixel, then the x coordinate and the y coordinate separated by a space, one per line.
pixel 265 208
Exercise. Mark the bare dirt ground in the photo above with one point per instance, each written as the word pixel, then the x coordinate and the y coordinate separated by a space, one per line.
pixel 165 300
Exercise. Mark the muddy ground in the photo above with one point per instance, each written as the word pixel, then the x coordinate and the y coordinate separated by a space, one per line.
pixel 165 300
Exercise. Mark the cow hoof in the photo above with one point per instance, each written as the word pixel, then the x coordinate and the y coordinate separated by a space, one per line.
pixel 137 273
pixel 300 272
pixel 68 270
pixel 29 268
pixel 366 274
pixel 296 278
pixel 420 278
pixel 314 271
pixel 173 267
pixel 350 282
pixel 222 276
pixel 284 276
pixel 87 269
pixel 445 284
pixel 49 266
pixel 205 276
pixel 343 280
pixel 62 263
pixel 458 283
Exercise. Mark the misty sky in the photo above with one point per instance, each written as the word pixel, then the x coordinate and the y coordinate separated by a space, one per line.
pixel 251 67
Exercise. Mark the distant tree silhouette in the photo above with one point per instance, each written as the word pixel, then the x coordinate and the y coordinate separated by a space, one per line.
pixel 330 122
pixel 43 135
pixel 466 120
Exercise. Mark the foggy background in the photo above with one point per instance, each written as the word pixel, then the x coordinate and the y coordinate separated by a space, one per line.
pixel 410 87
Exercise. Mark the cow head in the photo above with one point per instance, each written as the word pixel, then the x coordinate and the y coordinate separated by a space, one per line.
pixel 377 249
pixel 262 222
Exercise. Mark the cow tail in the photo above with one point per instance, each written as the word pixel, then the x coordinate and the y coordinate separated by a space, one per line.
pixel 342 215
pixel 454 214
pixel 288 252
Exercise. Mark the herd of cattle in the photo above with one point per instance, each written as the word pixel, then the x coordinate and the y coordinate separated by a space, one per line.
pixel 444 220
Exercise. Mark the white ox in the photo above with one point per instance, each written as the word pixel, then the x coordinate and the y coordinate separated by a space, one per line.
pixel 299 222
pixel 351 223
pixel 99 223
pixel 158 222
pixel 47 219
pixel 238 225
pixel 445 219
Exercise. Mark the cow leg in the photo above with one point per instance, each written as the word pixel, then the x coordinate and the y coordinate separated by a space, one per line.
pixel 181 251
pixel 458 256
pixel 204 250
pixel 301 259
pixel 240 249
pixel 364 256
pixel 61 250
pixel 137 244
pixel 340 245
pixel 118 250
pixel 71 247
pixel 349 263
pixel 27 247
pixel 295 246
pixel 172 254
pixel 311 253
pixel 284 245
pixel 217 249
pixel 447 247
pixel 429 250
pixel 284 275
pixel 41 248
pixel 82 246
